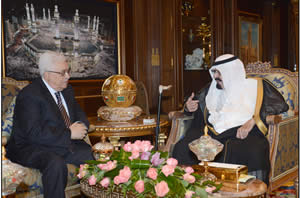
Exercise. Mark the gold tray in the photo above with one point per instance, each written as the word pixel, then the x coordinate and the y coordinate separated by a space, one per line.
pixel 223 171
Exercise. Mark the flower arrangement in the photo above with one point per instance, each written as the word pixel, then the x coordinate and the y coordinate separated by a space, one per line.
pixel 138 169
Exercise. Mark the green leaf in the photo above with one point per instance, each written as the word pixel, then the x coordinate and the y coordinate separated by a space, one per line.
pixel 201 192
pixel 91 162
pixel 139 164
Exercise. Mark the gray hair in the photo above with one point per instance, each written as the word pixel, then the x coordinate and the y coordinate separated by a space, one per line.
pixel 48 59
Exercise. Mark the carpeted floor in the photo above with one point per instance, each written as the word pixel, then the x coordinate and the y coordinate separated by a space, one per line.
pixel 286 191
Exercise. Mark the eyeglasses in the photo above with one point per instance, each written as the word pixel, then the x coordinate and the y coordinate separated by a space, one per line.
pixel 62 73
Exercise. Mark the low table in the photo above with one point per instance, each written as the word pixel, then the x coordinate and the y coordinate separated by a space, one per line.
pixel 254 188
pixel 132 128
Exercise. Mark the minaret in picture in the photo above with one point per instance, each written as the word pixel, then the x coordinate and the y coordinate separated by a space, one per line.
pixel 56 13
pixel 44 14
pixel 76 17
pixel 49 15
pixel 88 25
pixel 34 30
pixel 57 38
pixel 28 15
pixel 94 23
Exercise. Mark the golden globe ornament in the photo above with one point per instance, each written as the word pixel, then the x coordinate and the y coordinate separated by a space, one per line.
pixel 119 91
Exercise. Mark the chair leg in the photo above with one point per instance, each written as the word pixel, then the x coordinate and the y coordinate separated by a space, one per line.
pixel 296 185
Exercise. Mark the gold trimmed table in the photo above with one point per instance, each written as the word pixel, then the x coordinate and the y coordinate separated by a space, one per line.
pixel 254 188
pixel 132 128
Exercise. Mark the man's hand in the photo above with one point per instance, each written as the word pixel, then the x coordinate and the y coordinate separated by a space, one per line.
pixel 192 105
pixel 78 131
pixel 244 130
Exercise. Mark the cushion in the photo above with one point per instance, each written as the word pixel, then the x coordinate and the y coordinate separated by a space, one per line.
pixel 285 86
pixel 7 119
pixel 8 92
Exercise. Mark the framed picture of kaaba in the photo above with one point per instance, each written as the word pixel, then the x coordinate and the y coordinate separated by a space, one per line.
pixel 86 32
pixel 250 37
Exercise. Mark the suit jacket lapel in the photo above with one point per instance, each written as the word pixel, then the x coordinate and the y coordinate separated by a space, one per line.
pixel 50 99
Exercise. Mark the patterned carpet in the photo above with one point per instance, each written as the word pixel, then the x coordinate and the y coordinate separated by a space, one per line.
pixel 285 191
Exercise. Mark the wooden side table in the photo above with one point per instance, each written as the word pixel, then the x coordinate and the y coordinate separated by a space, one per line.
pixel 254 188
pixel 132 128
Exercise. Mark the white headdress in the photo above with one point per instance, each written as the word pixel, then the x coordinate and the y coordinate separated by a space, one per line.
pixel 235 104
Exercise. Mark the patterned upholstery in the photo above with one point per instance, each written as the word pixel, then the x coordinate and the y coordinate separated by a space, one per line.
pixel 283 133
pixel 10 89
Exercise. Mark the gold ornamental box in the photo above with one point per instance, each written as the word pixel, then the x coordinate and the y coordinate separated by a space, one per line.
pixel 223 171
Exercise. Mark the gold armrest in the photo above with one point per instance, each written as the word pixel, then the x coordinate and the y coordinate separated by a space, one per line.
pixel 4 140
pixel 273 119
pixel 175 115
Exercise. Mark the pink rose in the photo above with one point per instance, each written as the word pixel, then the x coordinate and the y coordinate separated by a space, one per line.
pixel 210 189
pixel 161 189
pixel 139 186
pixel 189 194
pixel 105 182
pixel 118 180
pixel 82 171
pixel 108 166
pixel 152 173
pixel 92 180
pixel 125 172
pixel 127 147
pixel 146 146
pixel 145 155
pixel 189 178
pixel 134 155
pixel 81 174
pixel 189 170
pixel 172 162
pixel 167 170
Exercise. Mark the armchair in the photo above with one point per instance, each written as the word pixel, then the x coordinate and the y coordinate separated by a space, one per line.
pixel 283 129
pixel 32 181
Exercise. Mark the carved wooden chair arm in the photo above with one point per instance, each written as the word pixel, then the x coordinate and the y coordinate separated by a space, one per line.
pixel 173 115
pixel 273 119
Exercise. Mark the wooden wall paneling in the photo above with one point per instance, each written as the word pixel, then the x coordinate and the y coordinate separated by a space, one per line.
pixel 153 52
pixel 218 27
pixel 231 30
pixel 292 44
pixel 88 95
pixel 296 21
pixel 178 59
pixel 271 33
pixel 284 37
pixel 129 38
pixel 168 52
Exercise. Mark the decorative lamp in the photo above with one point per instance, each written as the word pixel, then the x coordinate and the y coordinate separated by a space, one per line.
pixel 102 150
pixel 206 149
pixel 119 93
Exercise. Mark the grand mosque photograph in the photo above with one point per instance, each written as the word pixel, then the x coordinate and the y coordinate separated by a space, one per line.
pixel 85 34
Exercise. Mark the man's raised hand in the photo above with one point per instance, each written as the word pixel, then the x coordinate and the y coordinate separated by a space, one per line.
pixel 192 105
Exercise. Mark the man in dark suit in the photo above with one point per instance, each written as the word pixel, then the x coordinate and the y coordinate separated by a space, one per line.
pixel 49 126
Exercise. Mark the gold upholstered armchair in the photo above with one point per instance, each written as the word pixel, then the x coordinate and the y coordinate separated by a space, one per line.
pixel 283 131
pixel 32 183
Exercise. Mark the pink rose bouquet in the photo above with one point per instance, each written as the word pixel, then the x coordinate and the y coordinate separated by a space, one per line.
pixel 138 169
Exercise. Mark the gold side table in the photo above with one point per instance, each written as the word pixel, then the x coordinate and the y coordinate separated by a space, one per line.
pixel 132 128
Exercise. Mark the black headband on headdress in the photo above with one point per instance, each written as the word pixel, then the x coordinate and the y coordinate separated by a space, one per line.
pixel 225 61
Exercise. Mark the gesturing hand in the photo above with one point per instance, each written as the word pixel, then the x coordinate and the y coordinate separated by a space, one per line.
pixel 244 130
pixel 78 131
pixel 192 105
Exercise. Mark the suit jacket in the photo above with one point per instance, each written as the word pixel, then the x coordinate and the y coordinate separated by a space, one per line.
pixel 38 123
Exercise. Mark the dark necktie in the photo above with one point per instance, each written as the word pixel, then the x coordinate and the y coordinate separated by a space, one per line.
pixel 62 110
